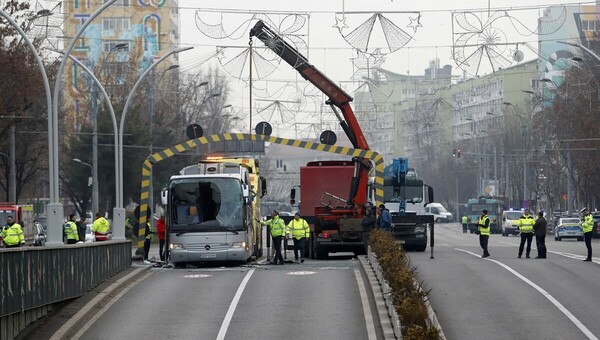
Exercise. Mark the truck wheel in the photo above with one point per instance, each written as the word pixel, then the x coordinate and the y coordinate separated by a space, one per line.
pixel 421 248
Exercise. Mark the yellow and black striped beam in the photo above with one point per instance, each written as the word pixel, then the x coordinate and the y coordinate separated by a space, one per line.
pixel 192 144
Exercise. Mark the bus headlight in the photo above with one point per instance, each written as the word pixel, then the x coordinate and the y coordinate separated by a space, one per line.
pixel 419 229
pixel 173 246
pixel 239 244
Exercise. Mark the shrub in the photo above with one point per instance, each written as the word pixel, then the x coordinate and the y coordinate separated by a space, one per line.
pixel 409 301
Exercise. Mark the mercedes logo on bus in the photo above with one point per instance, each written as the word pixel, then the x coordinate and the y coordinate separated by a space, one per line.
pixel 207 247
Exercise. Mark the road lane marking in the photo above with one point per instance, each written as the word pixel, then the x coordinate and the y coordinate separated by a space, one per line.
pixel 233 305
pixel 196 276
pixel 306 272
pixel 102 310
pixel 366 307
pixel 547 295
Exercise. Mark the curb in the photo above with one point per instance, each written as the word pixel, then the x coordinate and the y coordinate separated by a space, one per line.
pixel 382 310
pixel 71 325
pixel 390 321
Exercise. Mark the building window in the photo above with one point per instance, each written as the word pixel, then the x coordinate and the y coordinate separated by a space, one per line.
pixel 116 24
pixel 119 3
pixel 109 45
pixel 589 25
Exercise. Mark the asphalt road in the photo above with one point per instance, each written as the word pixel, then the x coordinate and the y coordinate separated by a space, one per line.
pixel 313 300
pixel 503 297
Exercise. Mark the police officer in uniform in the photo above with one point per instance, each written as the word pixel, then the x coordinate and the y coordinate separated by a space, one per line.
pixel 587 224
pixel 71 230
pixel 12 235
pixel 525 226
pixel 483 226
pixel 277 227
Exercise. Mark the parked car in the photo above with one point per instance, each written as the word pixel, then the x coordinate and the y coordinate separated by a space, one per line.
pixel 440 214
pixel 595 230
pixel 510 220
pixel 568 227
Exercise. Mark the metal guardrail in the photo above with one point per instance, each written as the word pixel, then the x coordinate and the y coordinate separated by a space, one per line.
pixel 34 277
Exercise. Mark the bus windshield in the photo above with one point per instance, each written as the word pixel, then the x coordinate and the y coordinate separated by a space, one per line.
pixel 206 204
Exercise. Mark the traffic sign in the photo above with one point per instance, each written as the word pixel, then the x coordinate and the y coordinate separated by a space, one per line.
pixel 194 131
pixel 263 128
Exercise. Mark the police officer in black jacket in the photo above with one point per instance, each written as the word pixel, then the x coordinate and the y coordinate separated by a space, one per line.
pixel 539 228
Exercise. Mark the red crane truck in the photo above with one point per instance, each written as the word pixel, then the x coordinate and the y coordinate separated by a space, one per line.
pixel 333 193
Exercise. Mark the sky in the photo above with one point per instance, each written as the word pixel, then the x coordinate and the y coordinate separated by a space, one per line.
pixel 429 29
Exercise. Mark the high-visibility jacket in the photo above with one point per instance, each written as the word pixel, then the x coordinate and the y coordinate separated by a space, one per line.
pixel 525 224
pixel 13 235
pixel 149 232
pixel 299 228
pixel 465 219
pixel 277 226
pixel 71 231
pixel 483 225
pixel 101 226
pixel 588 223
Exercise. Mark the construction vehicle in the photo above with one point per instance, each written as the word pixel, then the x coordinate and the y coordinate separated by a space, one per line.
pixel 22 214
pixel 406 197
pixel 332 202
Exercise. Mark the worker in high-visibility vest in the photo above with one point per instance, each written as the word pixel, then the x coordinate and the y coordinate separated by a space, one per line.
pixel 587 224
pixel 483 227
pixel 277 228
pixel 12 234
pixel 300 231
pixel 101 227
pixel 465 223
pixel 525 226
pixel 147 240
pixel 71 230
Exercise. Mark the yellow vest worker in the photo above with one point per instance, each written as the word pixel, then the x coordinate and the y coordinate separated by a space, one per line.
pixel 483 226
pixel 525 226
pixel 587 224
pixel 72 233
pixel 100 227
pixel 12 235
pixel 300 232
pixel 277 227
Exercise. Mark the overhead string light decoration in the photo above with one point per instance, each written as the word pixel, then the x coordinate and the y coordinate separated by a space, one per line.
pixel 233 59
pixel 483 45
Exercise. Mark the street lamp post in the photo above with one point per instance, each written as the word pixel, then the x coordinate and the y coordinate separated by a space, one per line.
pixel 151 184
pixel 54 236
pixel 94 188
pixel 114 121
pixel 95 88
pixel 56 214
pixel 119 211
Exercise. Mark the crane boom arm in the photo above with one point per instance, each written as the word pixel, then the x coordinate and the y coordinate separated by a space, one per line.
pixel 337 96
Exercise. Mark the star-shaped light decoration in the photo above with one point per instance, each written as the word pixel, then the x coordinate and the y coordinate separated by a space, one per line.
pixel 220 54
pixel 415 23
pixel 378 57
pixel 340 23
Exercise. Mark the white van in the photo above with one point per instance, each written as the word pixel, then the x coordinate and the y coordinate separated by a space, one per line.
pixel 440 214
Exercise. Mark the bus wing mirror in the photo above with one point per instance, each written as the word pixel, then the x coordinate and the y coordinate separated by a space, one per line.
pixel 164 194
pixel 430 194
pixel 263 187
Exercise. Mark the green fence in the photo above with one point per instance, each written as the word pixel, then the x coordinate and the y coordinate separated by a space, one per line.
pixel 34 278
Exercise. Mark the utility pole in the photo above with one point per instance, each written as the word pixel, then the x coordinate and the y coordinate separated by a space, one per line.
pixel 12 181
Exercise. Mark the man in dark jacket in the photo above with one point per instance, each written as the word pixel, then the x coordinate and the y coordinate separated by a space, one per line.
pixel 539 228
